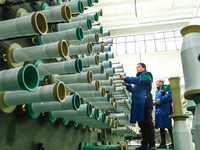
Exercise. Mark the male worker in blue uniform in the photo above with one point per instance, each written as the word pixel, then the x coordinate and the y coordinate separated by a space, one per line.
pixel 142 105
pixel 163 100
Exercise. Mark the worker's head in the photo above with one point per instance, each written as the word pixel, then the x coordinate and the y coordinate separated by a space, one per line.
pixel 160 82
pixel 141 67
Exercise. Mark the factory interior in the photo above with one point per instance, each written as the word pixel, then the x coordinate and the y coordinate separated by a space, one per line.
pixel 60 68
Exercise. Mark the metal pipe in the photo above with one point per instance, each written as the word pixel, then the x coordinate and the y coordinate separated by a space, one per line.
pixel 95 69
pixel 86 94
pixel 84 24
pixel 85 77
pixel 99 48
pixel 104 76
pixel 71 34
pixel 91 60
pixel 94 86
pixel 16 55
pixel 23 78
pixel 34 24
pixel 70 66
pixel 10 99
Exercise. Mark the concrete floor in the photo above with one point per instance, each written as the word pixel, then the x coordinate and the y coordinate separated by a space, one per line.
pixel 135 146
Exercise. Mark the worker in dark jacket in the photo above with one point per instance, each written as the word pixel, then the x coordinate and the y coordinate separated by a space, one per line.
pixel 142 105
pixel 163 101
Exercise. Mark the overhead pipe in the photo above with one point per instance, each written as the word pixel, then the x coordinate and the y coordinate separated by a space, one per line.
pixel 104 76
pixel 22 78
pixel 94 86
pixel 85 24
pixel 76 6
pixel 10 99
pixel 99 99
pixel 107 48
pixel 85 77
pixel 34 24
pixel 81 49
pixel 85 111
pixel 107 64
pixel 71 34
pixel 87 38
pixel 91 60
pixel 86 94
pixel 95 29
pixel 70 66
pixel 103 57
pixel 16 55
pixel 91 16
pixel 106 82
pixel 99 48
pixel 71 102
pixel 95 69
pixel 190 57
pixel 111 71
pixel 181 131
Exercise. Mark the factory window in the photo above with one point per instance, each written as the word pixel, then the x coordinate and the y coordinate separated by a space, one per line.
pixel 145 43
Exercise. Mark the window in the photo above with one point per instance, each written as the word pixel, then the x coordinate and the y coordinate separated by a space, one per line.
pixel 140 47
pixel 114 49
pixel 170 44
pixel 150 46
pixel 121 49
pixel 130 48
pixel 160 45
pixel 130 38
pixel 120 39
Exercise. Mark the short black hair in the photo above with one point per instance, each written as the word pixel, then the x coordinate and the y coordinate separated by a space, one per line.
pixel 143 65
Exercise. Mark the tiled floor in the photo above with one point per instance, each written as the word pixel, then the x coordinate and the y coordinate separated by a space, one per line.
pixel 135 146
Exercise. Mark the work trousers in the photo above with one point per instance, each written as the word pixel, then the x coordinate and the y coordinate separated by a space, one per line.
pixel 162 134
pixel 147 128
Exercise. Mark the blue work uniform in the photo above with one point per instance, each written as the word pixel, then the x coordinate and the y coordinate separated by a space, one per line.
pixel 164 109
pixel 141 96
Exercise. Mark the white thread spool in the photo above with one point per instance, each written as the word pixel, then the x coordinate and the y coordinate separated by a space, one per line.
pixel 110 88
pixel 95 29
pixel 99 12
pixel 91 60
pixel 105 33
pixel 104 76
pixel 98 99
pixel 71 34
pixel 107 48
pixel 84 24
pixel 91 16
pixel 95 69
pixel 108 41
pixel 94 86
pixel 76 6
pixel 116 66
pixel 111 71
pixel 70 66
pixel 87 38
pixel 85 77
pixel 87 94
pixel 99 48
pixel 103 57
pixel 23 78
pixel 106 82
pixel 95 117
pixel 23 26
pixel 81 49
pixel 107 64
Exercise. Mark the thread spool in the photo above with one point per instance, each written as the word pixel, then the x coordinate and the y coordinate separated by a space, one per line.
pixel 111 71
pixel 76 6
pixel 107 64
pixel 69 115
pixel 104 104
pixel 95 29
pixel 10 99
pixel 71 102
pixel 107 48
pixel 85 77
pixel 98 48
pixel 108 41
pixel 94 38
pixel 81 49
pixel 105 33
pixel 111 88
pixel 23 78
pixel 103 57
pixel 34 24
pixel 106 82
pixel 99 99
pixel 86 94
pixel 91 16
pixel 17 55
pixel 117 66
pixel 91 60
pixel 84 24
pixel 95 69
pixel 104 76
pixel 71 34
pixel 94 86
pixel 70 66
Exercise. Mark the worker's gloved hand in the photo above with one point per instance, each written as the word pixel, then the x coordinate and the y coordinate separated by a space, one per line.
pixel 156 102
